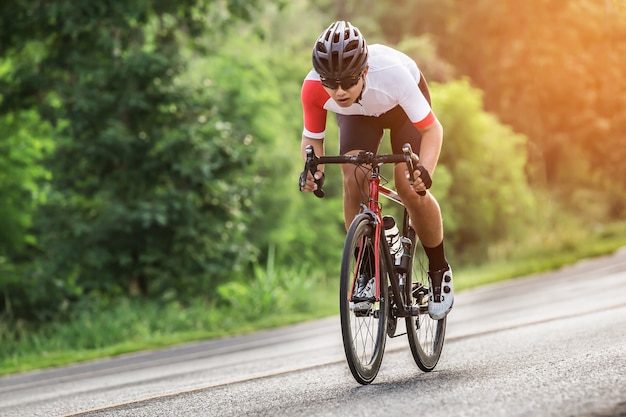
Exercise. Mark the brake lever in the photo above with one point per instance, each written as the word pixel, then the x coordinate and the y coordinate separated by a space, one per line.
pixel 310 165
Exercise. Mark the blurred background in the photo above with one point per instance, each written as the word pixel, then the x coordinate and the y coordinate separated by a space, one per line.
pixel 150 151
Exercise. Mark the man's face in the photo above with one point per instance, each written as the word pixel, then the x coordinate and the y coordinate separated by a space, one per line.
pixel 345 91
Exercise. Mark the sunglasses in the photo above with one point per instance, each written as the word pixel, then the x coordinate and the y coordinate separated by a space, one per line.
pixel 345 83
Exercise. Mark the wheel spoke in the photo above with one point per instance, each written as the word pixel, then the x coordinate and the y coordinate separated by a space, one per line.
pixel 364 331
pixel 425 335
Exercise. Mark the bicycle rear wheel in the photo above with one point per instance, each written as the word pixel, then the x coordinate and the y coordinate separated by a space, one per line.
pixel 364 332
pixel 426 336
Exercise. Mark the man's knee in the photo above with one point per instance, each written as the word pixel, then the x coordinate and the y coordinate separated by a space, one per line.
pixel 403 186
pixel 354 181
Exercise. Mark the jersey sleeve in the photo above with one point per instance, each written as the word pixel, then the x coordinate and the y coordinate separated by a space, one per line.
pixel 426 121
pixel 413 102
pixel 313 98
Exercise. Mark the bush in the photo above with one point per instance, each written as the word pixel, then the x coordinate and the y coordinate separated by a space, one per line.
pixel 484 194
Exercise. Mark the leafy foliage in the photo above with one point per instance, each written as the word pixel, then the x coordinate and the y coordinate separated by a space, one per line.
pixel 488 198
pixel 149 174
pixel 21 151
pixel 153 148
pixel 559 87
pixel 272 288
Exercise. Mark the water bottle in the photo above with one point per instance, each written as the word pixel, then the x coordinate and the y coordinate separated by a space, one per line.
pixel 406 255
pixel 393 238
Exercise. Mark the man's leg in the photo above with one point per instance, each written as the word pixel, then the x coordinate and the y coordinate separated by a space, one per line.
pixel 355 190
pixel 356 134
pixel 426 218
pixel 424 210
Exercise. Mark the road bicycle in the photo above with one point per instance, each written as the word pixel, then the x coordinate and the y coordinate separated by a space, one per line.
pixel 401 287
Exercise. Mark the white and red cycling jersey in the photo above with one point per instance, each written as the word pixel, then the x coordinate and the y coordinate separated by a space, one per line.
pixel 392 80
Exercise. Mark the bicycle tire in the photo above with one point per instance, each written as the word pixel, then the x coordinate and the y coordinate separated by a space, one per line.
pixel 364 335
pixel 426 336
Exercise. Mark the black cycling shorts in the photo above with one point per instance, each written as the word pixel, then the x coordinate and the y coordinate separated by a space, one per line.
pixel 365 132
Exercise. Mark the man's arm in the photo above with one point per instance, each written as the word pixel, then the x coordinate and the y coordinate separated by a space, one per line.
pixel 318 146
pixel 430 148
pixel 432 140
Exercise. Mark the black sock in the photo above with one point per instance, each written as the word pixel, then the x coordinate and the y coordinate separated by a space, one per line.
pixel 436 257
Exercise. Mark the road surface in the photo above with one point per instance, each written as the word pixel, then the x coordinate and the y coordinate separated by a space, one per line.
pixel 548 345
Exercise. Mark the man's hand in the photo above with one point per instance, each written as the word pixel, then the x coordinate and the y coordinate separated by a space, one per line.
pixel 311 182
pixel 421 180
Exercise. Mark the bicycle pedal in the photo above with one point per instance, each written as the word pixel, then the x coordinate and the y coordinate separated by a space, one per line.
pixel 417 286
pixel 419 289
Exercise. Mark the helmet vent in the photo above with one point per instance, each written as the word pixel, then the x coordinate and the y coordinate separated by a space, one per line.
pixel 351 46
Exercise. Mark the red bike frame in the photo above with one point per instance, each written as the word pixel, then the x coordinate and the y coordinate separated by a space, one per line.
pixel 375 190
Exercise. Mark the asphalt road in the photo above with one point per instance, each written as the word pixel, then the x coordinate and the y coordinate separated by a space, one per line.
pixel 548 345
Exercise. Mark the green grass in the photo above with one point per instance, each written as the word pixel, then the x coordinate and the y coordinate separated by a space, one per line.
pixel 544 251
pixel 134 325
pixel 274 297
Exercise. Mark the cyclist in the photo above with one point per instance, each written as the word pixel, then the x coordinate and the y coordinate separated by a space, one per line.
pixel 373 88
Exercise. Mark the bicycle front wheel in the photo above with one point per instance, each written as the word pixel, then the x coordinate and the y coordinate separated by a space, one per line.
pixel 426 336
pixel 363 328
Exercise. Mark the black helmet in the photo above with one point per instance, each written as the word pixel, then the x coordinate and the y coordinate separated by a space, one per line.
pixel 340 51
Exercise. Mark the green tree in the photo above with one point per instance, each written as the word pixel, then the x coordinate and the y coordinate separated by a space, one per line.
pixel 262 70
pixel 481 184
pixel 552 70
pixel 149 176
pixel 26 140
